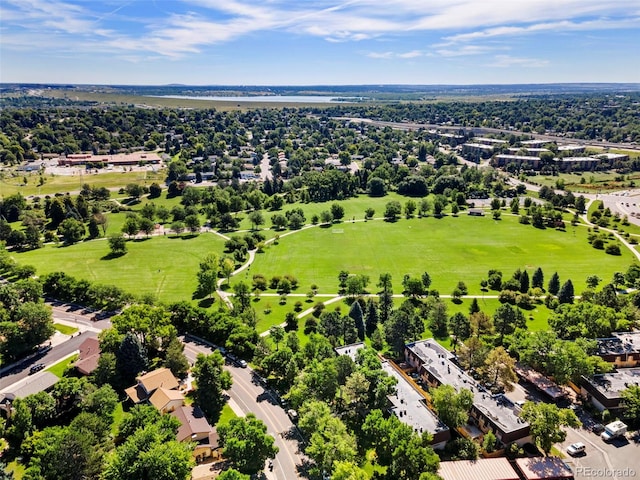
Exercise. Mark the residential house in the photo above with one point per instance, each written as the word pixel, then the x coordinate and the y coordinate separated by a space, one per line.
pixel 543 468
pixel 88 357
pixel 604 391
pixel 622 349
pixel 166 400
pixel 149 382
pixel 497 413
pixel 484 468
pixel 409 402
pixel 36 383
pixel 194 427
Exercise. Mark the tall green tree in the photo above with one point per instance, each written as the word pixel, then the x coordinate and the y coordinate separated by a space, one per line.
pixel 211 380
pixel 117 245
pixel 131 358
pixel 565 294
pixel 631 402
pixel 246 443
pixel 537 281
pixel 208 274
pixel 175 359
pixel 554 284
pixel 385 295
pixel 546 421
pixel 452 407
pixel 71 231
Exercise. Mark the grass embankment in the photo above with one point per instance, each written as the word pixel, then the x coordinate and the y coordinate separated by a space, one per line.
pixel 59 368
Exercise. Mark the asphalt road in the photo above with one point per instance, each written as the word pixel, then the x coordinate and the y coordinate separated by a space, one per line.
pixel 53 356
pixel 251 397
pixel 618 460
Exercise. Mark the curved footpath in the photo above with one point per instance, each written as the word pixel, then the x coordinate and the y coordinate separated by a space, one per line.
pixel 226 296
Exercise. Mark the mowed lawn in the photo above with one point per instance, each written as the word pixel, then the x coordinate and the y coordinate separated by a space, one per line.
pixel 163 266
pixel 450 249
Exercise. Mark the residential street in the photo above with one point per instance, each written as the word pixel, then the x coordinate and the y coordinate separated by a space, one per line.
pixel 247 395
pixel 56 354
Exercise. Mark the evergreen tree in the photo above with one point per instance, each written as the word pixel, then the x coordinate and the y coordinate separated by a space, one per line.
pixel 524 282
pixel 565 295
pixel 372 317
pixel 474 307
pixel 355 312
pixel 131 358
pixel 554 284
pixel 537 280
pixel 386 296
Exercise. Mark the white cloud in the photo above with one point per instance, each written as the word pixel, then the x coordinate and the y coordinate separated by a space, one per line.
pixel 509 61
pixel 464 50
pixel 558 26
pixel 183 27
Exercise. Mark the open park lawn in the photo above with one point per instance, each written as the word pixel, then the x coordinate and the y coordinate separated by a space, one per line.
pixel 163 266
pixel 450 249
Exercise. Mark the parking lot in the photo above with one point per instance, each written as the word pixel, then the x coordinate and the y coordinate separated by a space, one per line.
pixel 618 460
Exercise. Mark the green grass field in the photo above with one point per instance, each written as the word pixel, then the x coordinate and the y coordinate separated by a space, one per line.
pixel 450 249
pixel 73 183
pixel 65 329
pixel 59 368
pixel 163 266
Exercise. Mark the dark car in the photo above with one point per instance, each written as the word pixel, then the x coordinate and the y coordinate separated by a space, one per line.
pixel 597 428
pixel 36 368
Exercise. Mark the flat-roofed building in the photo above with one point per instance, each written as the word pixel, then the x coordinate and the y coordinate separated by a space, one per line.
pixel 613 157
pixel 504 159
pixel 408 403
pixel 489 412
pixel 410 406
pixel 489 141
pixel 475 151
pixel 529 152
pixel 136 158
pixel 605 390
pixel 577 163
pixel 541 382
pixel 481 469
pixel 533 143
pixel 622 349
pixel 573 149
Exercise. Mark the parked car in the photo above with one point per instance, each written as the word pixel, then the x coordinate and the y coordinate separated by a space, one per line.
pixel 293 415
pixel 242 363
pixel 597 428
pixel 576 449
pixel 36 368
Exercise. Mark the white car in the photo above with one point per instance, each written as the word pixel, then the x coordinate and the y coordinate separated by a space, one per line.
pixel 576 449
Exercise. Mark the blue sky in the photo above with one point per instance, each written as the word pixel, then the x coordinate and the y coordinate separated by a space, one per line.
pixel 319 42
